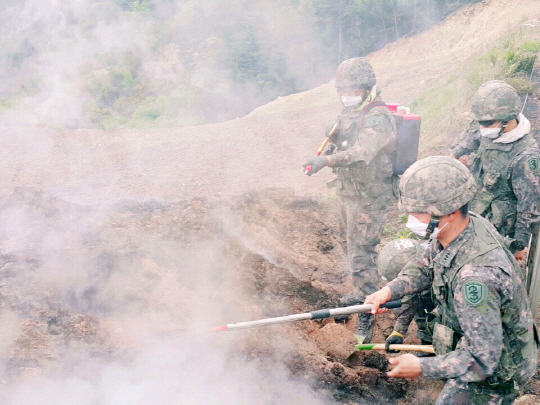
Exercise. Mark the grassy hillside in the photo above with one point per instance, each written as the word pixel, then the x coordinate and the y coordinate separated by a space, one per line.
pixel 444 107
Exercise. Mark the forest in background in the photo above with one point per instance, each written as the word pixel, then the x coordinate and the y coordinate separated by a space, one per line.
pixel 156 63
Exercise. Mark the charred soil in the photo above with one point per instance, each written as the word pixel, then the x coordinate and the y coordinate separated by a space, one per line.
pixel 272 253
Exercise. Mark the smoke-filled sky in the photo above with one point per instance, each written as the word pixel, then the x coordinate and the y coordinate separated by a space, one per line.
pixel 103 63
pixel 155 63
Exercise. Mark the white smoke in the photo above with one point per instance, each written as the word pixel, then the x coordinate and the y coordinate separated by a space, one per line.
pixel 150 296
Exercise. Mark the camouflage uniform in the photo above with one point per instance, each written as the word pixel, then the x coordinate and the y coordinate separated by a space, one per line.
pixel 362 155
pixel 392 258
pixel 508 174
pixel 417 307
pixel 484 334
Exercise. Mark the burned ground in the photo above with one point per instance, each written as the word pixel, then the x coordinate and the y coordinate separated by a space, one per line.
pixel 272 253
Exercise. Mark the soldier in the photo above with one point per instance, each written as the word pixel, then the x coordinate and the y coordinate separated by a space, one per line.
pixel 505 161
pixel 362 155
pixel 392 258
pixel 484 334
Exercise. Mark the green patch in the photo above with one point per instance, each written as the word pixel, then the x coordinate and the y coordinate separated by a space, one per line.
pixel 373 121
pixel 534 164
pixel 475 292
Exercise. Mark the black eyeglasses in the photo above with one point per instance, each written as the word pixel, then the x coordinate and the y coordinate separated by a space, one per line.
pixel 487 123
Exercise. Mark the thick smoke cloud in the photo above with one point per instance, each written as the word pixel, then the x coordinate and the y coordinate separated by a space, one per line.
pixel 162 63
pixel 48 49
pixel 104 305
pixel 69 64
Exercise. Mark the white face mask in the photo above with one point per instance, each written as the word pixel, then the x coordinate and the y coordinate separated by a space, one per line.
pixel 416 226
pixel 350 101
pixel 490 133
pixel 419 228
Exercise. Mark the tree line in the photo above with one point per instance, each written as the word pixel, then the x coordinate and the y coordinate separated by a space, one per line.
pixel 211 60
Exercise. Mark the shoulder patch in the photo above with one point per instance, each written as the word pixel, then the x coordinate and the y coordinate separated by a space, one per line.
pixel 534 164
pixel 475 292
pixel 373 120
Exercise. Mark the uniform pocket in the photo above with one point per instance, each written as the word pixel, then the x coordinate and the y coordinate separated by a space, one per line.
pixel 491 178
pixel 443 339
pixel 503 215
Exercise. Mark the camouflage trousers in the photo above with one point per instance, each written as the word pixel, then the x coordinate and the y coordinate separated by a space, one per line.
pixel 361 231
pixel 461 393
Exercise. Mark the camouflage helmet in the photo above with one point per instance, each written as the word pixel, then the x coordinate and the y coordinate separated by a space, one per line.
pixel 355 72
pixel 436 185
pixel 395 255
pixel 496 100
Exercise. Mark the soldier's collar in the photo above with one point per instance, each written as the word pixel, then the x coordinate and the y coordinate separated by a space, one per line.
pixel 446 256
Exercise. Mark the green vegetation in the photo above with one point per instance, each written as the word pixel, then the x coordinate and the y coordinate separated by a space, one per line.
pixel 395 229
pixel 442 106
pixel 189 62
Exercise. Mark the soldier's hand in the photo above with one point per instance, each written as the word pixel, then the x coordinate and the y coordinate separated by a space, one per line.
pixel 520 255
pixel 465 160
pixel 395 338
pixel 378 298
pixel 312 166
pixel 405 366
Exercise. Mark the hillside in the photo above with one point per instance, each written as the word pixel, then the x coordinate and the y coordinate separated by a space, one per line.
pixel 265 148
pixel 119 250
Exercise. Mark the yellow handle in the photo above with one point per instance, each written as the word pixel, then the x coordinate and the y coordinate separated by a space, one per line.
pixel 330 134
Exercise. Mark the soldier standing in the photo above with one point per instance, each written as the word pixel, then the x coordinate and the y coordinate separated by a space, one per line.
pixel 392 258
pixel 505 161
pixel 484 334
pixel 361 155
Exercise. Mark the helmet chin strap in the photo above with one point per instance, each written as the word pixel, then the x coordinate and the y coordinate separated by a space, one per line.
pixel 503 128
pixel 505 124
pixel 433 224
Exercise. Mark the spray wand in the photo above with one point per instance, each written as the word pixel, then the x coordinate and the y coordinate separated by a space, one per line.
pixel 320 314
pixel 327 139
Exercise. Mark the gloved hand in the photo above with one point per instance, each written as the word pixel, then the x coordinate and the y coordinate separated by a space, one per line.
pixel 395 338
pixel 317 163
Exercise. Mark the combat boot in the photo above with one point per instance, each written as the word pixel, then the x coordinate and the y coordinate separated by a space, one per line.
pixel 352 298
pixel 364 331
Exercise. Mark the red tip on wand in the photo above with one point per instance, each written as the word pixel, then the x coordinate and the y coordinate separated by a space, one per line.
pixel 220 328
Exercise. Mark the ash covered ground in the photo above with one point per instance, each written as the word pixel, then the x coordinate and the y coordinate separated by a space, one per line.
pixel 113 302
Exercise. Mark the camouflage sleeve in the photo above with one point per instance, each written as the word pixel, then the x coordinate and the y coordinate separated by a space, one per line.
pixel 469 143
pixel 478 296
pixel 526 186
pixel 377 135
pixel 415 277
pixel 406 314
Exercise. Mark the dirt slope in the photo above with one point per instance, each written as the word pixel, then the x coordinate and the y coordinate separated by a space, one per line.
pixel 124 236
pixel 133 273
pixel 265 148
